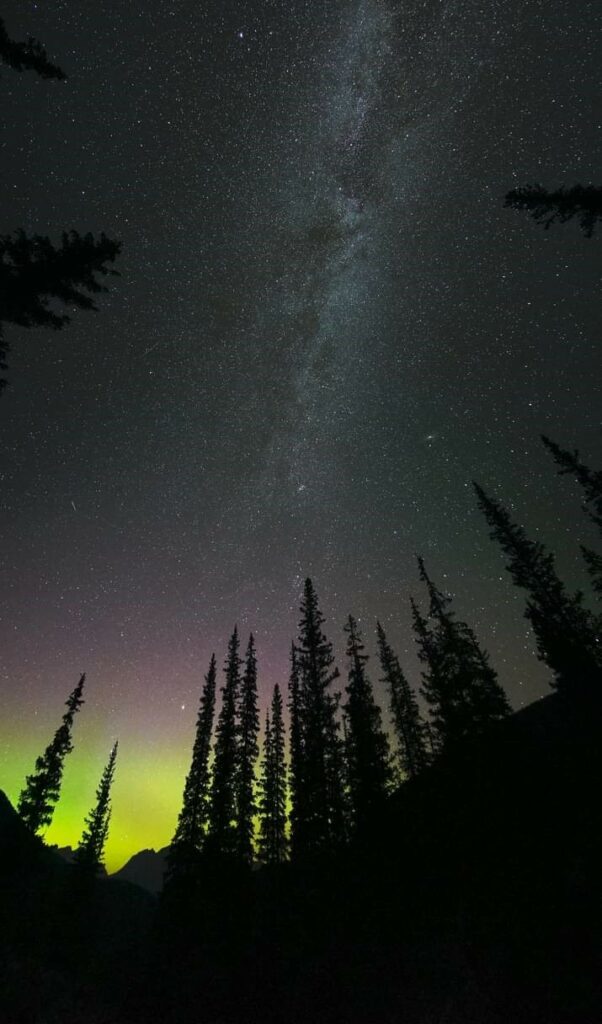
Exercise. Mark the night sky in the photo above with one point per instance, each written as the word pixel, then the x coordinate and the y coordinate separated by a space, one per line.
pixel 325 327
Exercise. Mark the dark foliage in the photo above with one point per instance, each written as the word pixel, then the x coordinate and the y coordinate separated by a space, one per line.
pixel 27 56
pixel 319 819
pixel 34 275
pixel 409 727
pixel 42 788
pixel 89 854
pixel 459 684
pixel 223 833
pixel 191 828
pixel 565 631
pixel 273 846
pixel 366 746
pixel 584 202
pixel 248 750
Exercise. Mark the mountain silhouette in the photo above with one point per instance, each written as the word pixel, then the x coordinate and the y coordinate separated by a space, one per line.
pixel 145 869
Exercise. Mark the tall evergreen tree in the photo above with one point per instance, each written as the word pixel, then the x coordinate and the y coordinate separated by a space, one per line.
pixel 565 632
pixel 366 746
pixel 272 805
pixel 409 728
pixel 319 820
pixel 189 835
pixel 89 854
pixel 297 757
pixel 591 482
pixel 222 838
pixel 42 788
pixel 460 685
pixel 248 750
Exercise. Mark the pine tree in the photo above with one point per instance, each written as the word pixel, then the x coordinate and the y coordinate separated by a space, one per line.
pixel 591 482
pixel 409 728
pixel 297 758
pixel 272 804
pixel 42 788
pixel 222 838
pixel 460 685
pixel 319 819
pixel 248 751
pixel 366 746
pixel 189 835
pixel 565 632
pixel 89 854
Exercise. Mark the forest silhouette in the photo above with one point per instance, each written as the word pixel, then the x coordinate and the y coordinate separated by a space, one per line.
pixel 324 867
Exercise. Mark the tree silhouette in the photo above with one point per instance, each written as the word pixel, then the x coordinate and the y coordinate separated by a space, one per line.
pixel 222 837
pixel 366 746
pixel 319 819
pixel 409 728
pixel 565 632
pixel 591 482
pixel 584 202
pixel 34 274
pixel 28 56
pixel 272 802
pixel 189 835
pixel 297 757
pixel 42 788
pixel 89 854
pixel 459 685
pixel 248 751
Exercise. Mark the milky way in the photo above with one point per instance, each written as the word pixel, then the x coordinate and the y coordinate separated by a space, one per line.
pixel 325 327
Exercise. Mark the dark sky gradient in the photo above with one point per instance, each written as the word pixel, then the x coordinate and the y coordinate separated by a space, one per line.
pixel 326 325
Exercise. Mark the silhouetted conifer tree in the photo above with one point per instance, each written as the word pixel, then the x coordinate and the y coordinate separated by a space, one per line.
pixel 366 746
pixel 460 685
pixel 89 854
pixel 409 728
pixel 34 275
pixel 565 632
pixel 189 835
pixel 41 791
pixel 591 482
pixel 248 751
pixel 297 757
pixel 584 202
pixel 222 838
pixel 319 819
pixel 272 804
pixel 28 56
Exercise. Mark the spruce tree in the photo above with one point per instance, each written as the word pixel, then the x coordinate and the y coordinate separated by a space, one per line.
pixel 366 746
pixel 320 818
pixel 582 201
pixel 248 751
pixel 591 482
pixel 42 788
pixel 565 632
pixel 460 685
pixel 409 728
pixel 272 804
pixel 297 758
pixel 222 838
pixel 189 835
pixel 89 854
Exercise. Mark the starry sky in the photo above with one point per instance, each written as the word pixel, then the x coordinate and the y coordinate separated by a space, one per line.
pixel 326 325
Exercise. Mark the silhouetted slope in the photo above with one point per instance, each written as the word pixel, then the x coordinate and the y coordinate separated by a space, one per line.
pixel 145 869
